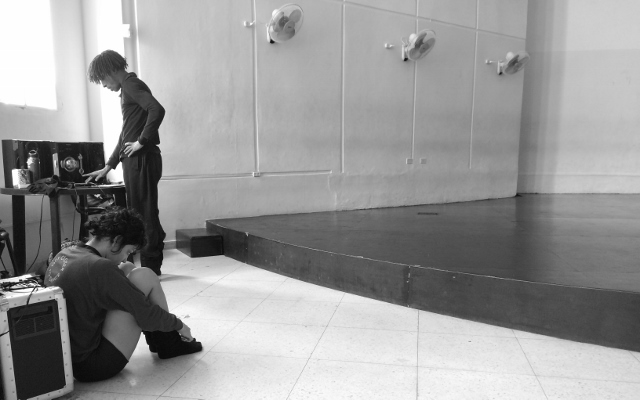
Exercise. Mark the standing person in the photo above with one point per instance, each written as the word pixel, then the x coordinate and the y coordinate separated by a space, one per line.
pixel 137 147
pixel 110 301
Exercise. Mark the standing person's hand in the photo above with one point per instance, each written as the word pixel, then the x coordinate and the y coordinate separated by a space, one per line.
pixel 131 147
pixel 97 175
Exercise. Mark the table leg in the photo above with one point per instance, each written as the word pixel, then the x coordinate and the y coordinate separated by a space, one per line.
pixel 120 199
pixel 19 236
pixel 82 206
pixel 56 239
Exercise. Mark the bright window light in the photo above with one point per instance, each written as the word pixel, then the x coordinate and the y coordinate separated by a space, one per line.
pixel 27 70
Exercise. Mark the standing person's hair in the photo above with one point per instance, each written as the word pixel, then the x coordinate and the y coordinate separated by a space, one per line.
pixel 105 64
pixel 119 221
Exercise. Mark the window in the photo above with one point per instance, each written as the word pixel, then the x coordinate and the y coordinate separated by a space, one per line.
pixel 27 69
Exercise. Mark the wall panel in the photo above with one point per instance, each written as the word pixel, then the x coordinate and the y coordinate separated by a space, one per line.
pixel 504 17
pixel 401 6
pixel 497 101
pixel 378 94
pixel 459 12
pixel 198 61
pixel 299 90
pixel 444 94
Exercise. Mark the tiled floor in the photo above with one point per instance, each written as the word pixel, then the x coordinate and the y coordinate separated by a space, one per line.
pixel 266 336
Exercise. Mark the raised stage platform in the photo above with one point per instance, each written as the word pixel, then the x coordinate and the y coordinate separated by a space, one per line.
pixel 561 265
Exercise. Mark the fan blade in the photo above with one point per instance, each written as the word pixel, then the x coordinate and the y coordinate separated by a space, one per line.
pixel 516 63
pixel 287 32
pixel 278 21
pixel 414 54
pixel 428 45
pixel 295 16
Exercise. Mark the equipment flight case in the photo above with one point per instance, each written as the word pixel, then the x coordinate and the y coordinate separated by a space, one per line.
pixel 35 354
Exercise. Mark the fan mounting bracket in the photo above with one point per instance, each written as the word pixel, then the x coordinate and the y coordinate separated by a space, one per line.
pixel 404 52
pixel 499 65
pixel 271 41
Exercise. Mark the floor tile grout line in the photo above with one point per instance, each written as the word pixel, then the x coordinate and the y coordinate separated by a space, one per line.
pixel 467 334
pixel 185 372
pixel 195 265
pixel 241 297
pixel 258 355
pixel 315 347
pixel 577 378
pixel 254 308
pixel 418 360
pixel 478 371
pixel 199 359
pixel 353 362
pixel 532 369
pixel 208 351
pixel 221 339
pixel 368 363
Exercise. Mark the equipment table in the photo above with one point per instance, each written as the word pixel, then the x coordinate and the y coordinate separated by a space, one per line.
pixel 18 210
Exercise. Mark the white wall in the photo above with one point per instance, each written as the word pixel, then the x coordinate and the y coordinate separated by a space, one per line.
pixel 70 122
pixel 580 112
pixel 330 117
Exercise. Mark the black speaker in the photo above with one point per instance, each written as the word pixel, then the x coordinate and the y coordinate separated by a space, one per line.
pixel 35 335
pixel 15 154
pixel 94 155
pixel 68 161
pixel 73 159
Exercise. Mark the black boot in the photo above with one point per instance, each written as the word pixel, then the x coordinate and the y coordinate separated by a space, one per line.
pixel 171 344
pixel 150 341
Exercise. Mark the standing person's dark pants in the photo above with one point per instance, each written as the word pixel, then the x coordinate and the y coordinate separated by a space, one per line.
pixel 141 174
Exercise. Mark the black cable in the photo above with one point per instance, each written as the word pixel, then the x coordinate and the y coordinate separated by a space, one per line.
pixel 74 186
pixel 73 229
pixel 39 237
pixel 1 260
pixel 73 224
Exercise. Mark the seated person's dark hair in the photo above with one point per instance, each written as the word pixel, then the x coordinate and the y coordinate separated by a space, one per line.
pixel 119 221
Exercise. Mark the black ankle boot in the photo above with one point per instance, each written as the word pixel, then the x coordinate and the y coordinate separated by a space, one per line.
pixel 171 344
pixel 149 337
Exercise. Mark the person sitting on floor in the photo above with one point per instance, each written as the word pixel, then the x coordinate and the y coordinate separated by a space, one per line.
pixel 110 301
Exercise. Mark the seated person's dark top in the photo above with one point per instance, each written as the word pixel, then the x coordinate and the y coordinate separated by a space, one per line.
pixel 93 285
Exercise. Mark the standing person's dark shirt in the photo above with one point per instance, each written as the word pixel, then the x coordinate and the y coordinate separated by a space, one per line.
pixel 142 115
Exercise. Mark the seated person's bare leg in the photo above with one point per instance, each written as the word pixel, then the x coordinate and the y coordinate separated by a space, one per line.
pixel 120 328
pixel 126 267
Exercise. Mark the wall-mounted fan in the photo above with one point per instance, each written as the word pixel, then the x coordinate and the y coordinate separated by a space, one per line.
pixel 285 22
pixel 420 44
pixel 513 62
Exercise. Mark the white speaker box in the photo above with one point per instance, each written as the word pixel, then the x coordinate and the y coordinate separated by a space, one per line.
pixel 35 354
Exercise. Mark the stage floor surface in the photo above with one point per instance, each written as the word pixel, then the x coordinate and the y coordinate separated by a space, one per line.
pixel 580 240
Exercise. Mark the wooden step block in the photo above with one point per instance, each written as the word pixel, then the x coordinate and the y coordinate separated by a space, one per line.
pixel 199 243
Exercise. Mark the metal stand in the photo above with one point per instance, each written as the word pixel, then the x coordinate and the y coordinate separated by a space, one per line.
pixel 5 241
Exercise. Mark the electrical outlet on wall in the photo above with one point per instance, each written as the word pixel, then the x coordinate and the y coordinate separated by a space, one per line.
pixel 409 161
pixel 423 161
